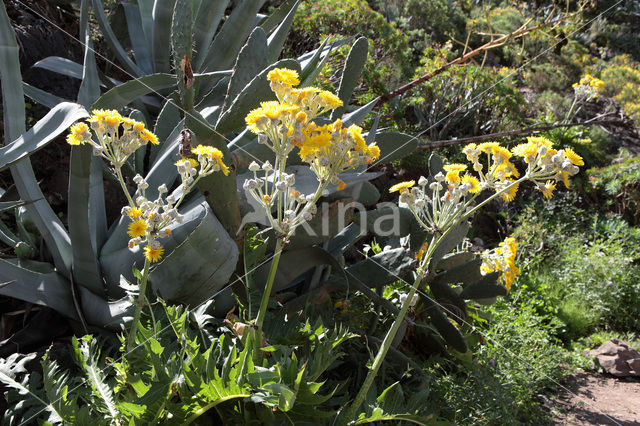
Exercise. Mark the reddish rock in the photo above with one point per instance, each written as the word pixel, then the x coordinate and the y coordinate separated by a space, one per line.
pixel 617 358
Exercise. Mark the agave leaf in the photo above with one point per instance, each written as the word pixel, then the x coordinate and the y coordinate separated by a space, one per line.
pixel 112 40
pixel 313 66
pixel 449 242
pixel 364 193
pixel 382 268
pixel 217 186
pixel 146 18
pixel 138 38
pixel 387 219
pixel 39 211
pixel 357 116
pixel 42 97
pixel 227 43
pixel 251 60
pixel 395 145
pixel 484 288
pixel 447 330
pixel 44 131
pixel 464 273
pixel 208 17
pixel 125 93
pixel 351 73
pixel 181 48
pixel 168 119
pixel 279 35
pixel 199 267
pixel 345 238
pixel 39 283
pixel 83 217
pixel 273 21
pixel 295 263
pixel 161 35
pixel 256 91
pixel 454 260
pixel 117 259
pixel 60 65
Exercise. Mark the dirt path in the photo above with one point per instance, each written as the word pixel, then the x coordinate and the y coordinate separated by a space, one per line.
pixel 597 399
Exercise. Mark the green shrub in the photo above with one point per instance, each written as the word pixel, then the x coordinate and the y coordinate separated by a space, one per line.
pixel 619 185
pixel 464 100
pixel 388 63
pixel 585 273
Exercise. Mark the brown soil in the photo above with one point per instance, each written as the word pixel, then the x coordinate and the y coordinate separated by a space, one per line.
pixel 597 399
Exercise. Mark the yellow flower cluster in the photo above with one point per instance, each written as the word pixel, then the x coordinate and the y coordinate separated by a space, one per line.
pixel 288 124
pixel 588 87
pixel 448 196
pixel 502 259
pixel 117 136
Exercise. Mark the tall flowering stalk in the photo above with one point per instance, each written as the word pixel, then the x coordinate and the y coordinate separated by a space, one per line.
pixel 449 199
pixel 330 149
pixel 116 138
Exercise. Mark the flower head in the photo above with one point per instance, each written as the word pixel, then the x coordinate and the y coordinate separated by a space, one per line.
pixel 402 186
pixel 153 253
pixel 137 228
pixel 78 134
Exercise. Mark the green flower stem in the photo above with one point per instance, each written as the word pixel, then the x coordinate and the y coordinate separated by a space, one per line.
pixel 131 341
pixel 479 206
pixel 265 297
pixel 388 339
pixel 124 186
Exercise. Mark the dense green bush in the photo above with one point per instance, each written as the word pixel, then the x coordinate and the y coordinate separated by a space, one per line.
pixel 389 61
pixel 585 273
pixel 619 185
pixel 464 100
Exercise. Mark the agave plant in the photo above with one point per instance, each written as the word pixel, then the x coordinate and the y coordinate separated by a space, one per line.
pixel 220 75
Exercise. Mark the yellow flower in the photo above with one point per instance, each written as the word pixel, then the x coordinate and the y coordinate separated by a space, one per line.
pixel 137 228
pixel 565 179
pixel 315 139
pixel 79 134
pixel 501 154
pixel 153 254
pixel 510 194
pixel 573 157
pixel 373 151
pixel 402 186
pixel 329 100
pixel 148 136
pixel 453 176
pixel 540 141
pixel 455 167
pixel 213 154
pixel 525 150
pixel 473 182
pixel 423 250
pixel 356 134
pixel 341 185
pixel 191 161
pixel 266 199
pixel 488 147
pixel 284 76
pixel 113 118
pixel 547 189
pixel 134 213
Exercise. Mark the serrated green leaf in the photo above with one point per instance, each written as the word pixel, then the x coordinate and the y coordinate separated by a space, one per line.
pixel 208 17
pixel 279 35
